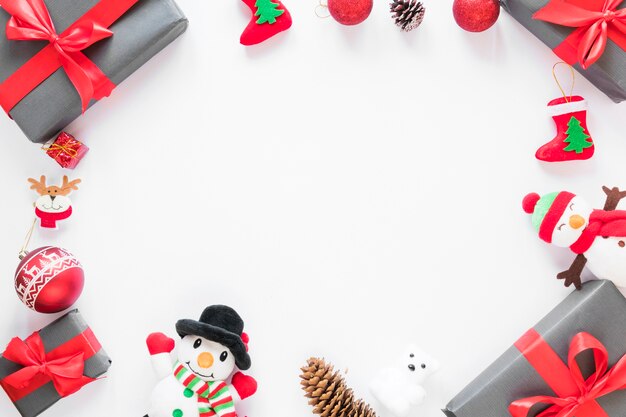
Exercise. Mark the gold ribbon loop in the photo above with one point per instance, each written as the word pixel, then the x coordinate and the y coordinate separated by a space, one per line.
pixel 567 98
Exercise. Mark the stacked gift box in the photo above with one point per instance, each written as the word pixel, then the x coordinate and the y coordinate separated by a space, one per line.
pixel 78 53
pixel 571 362
pixel 587 34
pixel 52 363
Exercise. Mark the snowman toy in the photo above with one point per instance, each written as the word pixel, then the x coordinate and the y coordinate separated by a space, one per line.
pixel 400 388
pixel 196 384
pixel 597 237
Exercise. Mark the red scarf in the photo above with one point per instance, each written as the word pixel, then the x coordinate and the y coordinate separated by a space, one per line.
pixel 601 223
pixel 49 220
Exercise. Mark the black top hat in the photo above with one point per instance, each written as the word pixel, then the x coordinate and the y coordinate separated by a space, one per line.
pixel 219 324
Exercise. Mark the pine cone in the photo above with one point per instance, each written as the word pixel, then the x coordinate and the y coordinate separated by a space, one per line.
pixel 408 14
pixel 328 393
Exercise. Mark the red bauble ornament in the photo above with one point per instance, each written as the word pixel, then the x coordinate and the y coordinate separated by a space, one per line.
pixel 476 15
pixel 350 12
pixel 49 279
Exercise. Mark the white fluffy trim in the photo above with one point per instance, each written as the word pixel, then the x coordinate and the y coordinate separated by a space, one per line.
pixel 566 108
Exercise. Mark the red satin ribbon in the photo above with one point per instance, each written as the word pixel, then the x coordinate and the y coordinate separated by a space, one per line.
pixel 596 21
pixel 63 366
pixel 575 395
pixel 31 21
pixel 66 373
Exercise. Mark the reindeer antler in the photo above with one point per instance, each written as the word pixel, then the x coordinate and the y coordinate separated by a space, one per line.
pixel 68 185
pixel 613 197
pixel 39 186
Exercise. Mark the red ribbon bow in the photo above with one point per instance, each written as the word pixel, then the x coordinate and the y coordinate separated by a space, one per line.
pixel 30 20
pixel 66 372
pixel 576 395
pixel 596 21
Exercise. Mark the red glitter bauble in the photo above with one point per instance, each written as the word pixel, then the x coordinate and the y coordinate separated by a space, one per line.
pixel 350 12
pixel 49 279
pixel 476 15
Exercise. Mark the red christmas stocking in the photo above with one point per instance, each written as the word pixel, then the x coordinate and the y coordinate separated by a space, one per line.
pixel 269 17
pixel 572 141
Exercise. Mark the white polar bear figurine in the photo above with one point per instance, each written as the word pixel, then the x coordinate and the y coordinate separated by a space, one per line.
pixel 196 384
pixel 399 388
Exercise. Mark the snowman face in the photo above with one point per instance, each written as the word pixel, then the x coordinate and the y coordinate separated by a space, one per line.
pixel 572 223
pixel 209 361
pixel 417 364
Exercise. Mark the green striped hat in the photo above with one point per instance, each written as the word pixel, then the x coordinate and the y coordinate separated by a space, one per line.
pixel 546 211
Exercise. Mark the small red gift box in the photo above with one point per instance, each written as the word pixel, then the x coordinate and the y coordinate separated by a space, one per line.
pixel 66 150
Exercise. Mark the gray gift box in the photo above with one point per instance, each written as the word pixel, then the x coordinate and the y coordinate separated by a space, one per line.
pixel 599 309
pixel 55 335
pixel 608 73
pixel 143 31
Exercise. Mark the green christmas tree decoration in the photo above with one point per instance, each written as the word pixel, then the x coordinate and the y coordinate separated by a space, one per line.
pixel 267 11
pixel 576 137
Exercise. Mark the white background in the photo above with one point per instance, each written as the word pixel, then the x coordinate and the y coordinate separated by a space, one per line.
pixel 347 190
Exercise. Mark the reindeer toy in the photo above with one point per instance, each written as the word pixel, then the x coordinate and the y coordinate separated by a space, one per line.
pixel 597 237
pixel 53 203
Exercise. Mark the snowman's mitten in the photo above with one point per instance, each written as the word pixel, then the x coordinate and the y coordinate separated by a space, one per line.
pixel 160 343
pixel 245 385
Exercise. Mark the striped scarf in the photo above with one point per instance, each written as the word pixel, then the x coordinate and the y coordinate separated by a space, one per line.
pixel 214 398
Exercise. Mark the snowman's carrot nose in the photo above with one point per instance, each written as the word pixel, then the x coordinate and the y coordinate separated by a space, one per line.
pixel 576 221
pixel 205 360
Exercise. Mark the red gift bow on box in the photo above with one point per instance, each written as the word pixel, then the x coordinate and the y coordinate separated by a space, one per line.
pixel 65 372
pixel 30 21
pixel 596 21
pixel 60 365
pixel 576 396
